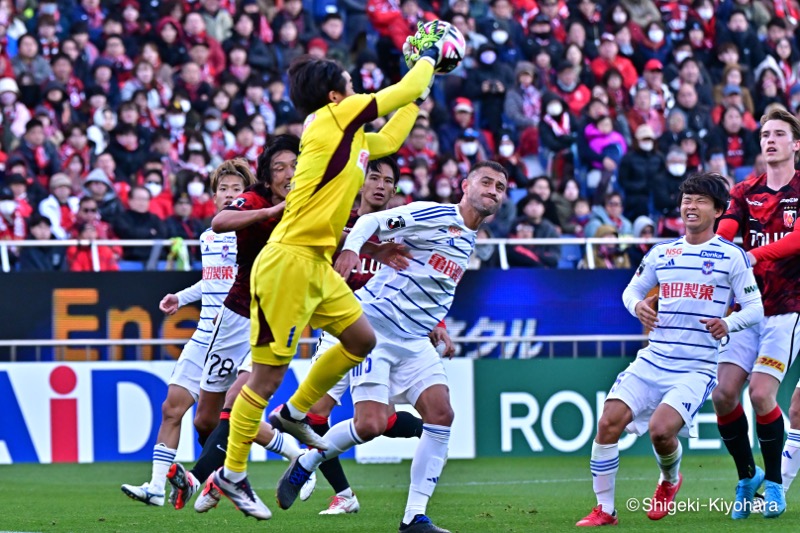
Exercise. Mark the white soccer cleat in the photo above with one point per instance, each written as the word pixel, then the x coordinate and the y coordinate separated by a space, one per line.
pixel 209 496
pixel 308 488
pixel 242 495
pixel 342 505
pixel 143 494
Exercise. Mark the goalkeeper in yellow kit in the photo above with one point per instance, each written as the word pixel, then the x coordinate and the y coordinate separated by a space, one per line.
pixel 293 282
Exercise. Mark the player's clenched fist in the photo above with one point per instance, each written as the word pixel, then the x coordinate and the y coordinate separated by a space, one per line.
pixel 645 312
pixel 169 304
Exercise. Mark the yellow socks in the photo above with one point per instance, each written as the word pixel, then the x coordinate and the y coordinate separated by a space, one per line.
pixel 324 374
pixel 245 419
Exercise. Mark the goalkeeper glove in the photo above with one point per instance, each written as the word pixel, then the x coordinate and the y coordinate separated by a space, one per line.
pixel 424 45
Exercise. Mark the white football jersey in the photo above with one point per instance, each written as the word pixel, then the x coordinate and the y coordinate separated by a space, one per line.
pixel 695 282
pixel 219 271
pixel 413 302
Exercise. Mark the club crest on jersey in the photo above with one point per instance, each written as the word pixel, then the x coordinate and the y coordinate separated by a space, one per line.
pixel 225 250
pixel 789 217
pixel 239 202
pixel 708 267
pixel 455 231
pixel 395 223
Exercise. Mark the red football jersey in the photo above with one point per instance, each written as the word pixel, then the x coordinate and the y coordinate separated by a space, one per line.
pixel 249 242
pixel 765 216
pixel 369 266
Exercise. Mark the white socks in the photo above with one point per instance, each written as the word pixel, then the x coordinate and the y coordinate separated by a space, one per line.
pixel 339 439
pixel 286 447
pixel 670 465
pixel 604 466
pixel 426 467
pixel 162 460
pixel 790 459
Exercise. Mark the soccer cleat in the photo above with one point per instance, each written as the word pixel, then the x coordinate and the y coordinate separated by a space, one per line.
pixel 184 485
pixel 421 524
pixel 209 497
pixel 299 429
pixel 342 505
pixel 142 493
pixel 663 498
pixel 745 492
pixel 242 495
pixel 308 487
pixel 290 483
pixel 598 517
pixel 774 500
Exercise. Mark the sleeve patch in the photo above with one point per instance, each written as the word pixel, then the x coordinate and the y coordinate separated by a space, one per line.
pixel 395 223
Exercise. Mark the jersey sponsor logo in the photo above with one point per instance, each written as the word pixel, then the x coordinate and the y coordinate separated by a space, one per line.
pixel 395 223
pixel 712 255
pixel 455 231
pixel 229 238
pixel 758 238
pixel 210 236
pixel 693 291
pixel 239 202
pixel 708 267
pixel 789 216
pixel 673 252
pixel 309 119
pixel 754 202
pixel 751 288
pixel 771 363
pixel 788 201
pixel 363 161
pixel 447 267
pixel 219 272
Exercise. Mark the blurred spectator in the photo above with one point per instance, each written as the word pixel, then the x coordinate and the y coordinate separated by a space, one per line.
pixel 81 258
pixel 416 149
pixel 610 213
pixel 245 35
pixel 556 211
pixel 196 186
pixel 643 113
pixel 508 156
pixel 61 206
pixel 469 149
pixel 565 200
pixel 463 114
pixel 367 76
pixel 532 225
pixel 639 169
pixel 661 97
pixel 19 188
pixel 697 117
pixel 607 256
pixel 181 224
pixel 161 196
pixel 609 58
pixel 40 258
pixel 484 255
pixel 732 97
pixel 739 32
pixel 667 192
pixel 15 115
pixel 725 91
pixel 218 21
pixel 557 131
pixel 738 143
pixel 523 103
pixel 644 228
pixel 30 61
pixel 294 11
pixel 12 223
pixel 128 154
pixel 88 212
pixel 569 87
pixel 100 188
pixel 39 154
pixel 581 215
pixel 138 223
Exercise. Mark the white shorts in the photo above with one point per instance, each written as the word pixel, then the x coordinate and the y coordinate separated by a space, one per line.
pixel 230 344
pixel 247 364
pixel 326 341
pixel 397 370
pixel 643 387
pixel 769 347
pixel 189 368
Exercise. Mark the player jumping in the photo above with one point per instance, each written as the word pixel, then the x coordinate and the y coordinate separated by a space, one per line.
pixel 670 380
pixel 763 211
pixel 293 281
pixel 403 307
pixel 219 267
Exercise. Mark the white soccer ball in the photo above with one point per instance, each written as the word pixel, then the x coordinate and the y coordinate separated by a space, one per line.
pixel 453 47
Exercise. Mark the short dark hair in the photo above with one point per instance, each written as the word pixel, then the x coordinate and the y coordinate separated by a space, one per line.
pixel 139 188
pixel 492 165
pixel 374 166
pixel 33 123
pixel 279 143
pixel 708 184
pixel 310 81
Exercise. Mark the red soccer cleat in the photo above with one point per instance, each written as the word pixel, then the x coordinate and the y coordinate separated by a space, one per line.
pixel 598 518
pixel 663 498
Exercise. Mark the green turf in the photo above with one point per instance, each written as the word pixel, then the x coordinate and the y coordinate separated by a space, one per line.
pixel 480 496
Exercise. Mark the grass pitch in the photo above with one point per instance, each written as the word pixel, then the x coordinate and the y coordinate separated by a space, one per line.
pixel 478 496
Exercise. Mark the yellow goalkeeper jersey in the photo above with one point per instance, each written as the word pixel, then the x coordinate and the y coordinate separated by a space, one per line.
pixel 334 152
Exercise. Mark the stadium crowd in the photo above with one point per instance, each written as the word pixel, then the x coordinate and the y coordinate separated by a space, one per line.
pixel 113 112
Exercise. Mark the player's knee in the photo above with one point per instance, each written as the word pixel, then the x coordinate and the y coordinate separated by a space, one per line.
pixel 204 423
pixel 608 430
pixel 660 435
pixel 370 427
pixel 794 414
pixel 441 415
pixel 724 399
pixel 171 412
pixel 762 399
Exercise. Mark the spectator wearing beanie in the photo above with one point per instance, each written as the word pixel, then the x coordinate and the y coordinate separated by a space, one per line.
pixel 99 187
pixel 639 170
pixel 61 206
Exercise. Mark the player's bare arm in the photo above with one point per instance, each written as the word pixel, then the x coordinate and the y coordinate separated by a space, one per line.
pixel 645 312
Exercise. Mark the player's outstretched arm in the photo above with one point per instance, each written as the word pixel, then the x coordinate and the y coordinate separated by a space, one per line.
pixel 234 220
pixel 407 90
pixel 393 134
pixel 782 248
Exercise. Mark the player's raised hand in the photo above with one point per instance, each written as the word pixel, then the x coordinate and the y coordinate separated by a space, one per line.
pixel 645 312
pixel 393 255
pixel 716 326
pixel 169 304
pixel 440 336
pixel 346 262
